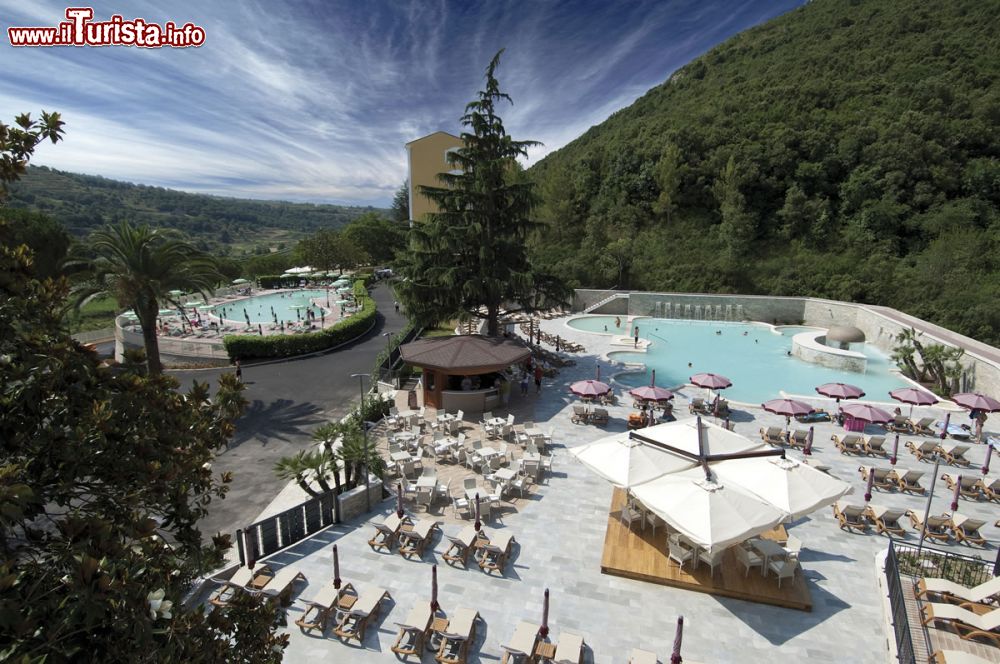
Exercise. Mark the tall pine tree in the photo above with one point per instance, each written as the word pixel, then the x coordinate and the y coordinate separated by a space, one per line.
pixel 471 257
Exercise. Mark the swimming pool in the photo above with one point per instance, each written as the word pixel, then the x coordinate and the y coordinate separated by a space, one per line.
pixel 288 306
pixel 751 355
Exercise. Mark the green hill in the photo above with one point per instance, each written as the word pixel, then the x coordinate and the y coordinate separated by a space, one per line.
pixel 221 225
pixel 847 149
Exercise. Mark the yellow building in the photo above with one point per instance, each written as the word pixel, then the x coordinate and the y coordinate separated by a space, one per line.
pixel 426 158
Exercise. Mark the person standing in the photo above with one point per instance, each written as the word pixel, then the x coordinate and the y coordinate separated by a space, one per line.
pixel 239 371
pixel 538 378
pixel 524 384
pixel 636 344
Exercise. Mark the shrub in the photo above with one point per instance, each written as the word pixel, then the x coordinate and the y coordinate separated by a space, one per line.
pixel 277 281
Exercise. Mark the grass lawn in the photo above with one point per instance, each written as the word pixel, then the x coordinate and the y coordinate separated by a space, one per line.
pixel 442 330
pixel 97 314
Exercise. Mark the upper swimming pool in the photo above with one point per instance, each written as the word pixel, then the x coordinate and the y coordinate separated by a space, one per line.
pixel 288 306
pixel 754 357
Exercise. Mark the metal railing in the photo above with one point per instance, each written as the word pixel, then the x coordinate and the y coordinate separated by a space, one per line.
pixel 897 606
pixel 282 530
pixel 966 570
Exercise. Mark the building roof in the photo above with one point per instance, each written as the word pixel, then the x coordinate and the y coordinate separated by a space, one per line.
pixel 465 353
pixel 417 140
pixel 845 334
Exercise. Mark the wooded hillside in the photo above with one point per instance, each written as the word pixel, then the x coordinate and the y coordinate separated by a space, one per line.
pixel 848 149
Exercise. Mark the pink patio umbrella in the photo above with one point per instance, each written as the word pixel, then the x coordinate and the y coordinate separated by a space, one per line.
pixel 434 589
pixel 958 491
pixel 399 499
pixel 914 397
pixel 947 423
pixel 840 391
pixel 711 381
pixel 336 568
pixel 787 407
pixel 867 413
pixel 807 449
pixel 871 483
pixel 975 401
pixel 588 389
pixel 675 655
pixel 651 392
pixel 543 631
pixel 895 451
pixel 986 463
pixel 478 524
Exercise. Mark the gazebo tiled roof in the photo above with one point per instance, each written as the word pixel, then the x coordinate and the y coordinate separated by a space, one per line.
pixel 464 353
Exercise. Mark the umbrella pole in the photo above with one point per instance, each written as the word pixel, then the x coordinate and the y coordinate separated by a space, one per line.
pixel 927 509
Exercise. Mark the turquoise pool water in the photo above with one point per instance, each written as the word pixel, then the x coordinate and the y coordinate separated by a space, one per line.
pixel 259 307
pixel 752 356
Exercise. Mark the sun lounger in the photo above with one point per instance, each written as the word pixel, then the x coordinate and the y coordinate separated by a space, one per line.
pixel 599 417
pixel 818 415
pixel 569 649
pixel 899 424
pixel 461 546
pixel 580 414
pixel 320 607
pixel 956 657
pixel 280 586
pixel 970 485
pixel 496 553
pixel 886 479
pixel 416 540
pixel 522 644
pixel 698 407
pixel 984 593
pixel 773 436
pixel 241 579
pixel 965 623
pixel 355 621
pixel 642 657
pixel 910 481
pixel 461 633
pixel 927 450
pixel 966 529
pixel 938 527
pixel 386 532
pixel 850 517
pixel 886 520
pixel 849 444
pixel 873 446
pixel 953 454
pixel 925 427
pixel 798 439
pixel 991 490
pixel 414 630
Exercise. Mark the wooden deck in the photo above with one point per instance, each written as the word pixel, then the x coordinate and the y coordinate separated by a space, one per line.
pixel 637 554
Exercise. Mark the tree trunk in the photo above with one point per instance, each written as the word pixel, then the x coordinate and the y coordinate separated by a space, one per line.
pixel 492 321
pixel 301 481
pixel 151 344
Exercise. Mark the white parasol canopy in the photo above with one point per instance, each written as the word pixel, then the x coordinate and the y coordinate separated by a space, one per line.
pixel 793 487
pixel 713 514
pixel 625 462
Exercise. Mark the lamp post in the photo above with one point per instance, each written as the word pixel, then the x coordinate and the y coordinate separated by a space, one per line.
pixel 364 430
pixel 388 353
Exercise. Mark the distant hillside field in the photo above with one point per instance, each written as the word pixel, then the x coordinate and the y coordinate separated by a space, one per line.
pixel 848 149
pixel 84 202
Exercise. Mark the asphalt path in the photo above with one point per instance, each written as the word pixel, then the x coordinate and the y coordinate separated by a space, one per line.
pixel 288 400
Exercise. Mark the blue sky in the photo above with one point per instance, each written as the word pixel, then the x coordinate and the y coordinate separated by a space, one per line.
pixel 314 100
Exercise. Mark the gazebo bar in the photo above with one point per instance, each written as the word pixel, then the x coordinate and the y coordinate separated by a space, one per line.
pixel 446 363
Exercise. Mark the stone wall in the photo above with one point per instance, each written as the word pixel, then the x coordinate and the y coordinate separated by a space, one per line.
pixel 352 504
pixel 809 346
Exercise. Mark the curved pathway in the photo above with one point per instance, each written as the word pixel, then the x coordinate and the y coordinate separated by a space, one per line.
pixel 288 400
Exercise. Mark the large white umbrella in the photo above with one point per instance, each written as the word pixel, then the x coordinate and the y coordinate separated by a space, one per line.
pixel 683 435
pixel 625 462
pixel 789 485
pixel 713 513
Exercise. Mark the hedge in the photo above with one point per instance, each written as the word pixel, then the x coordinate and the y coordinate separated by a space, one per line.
pixel 250 347
pixel 277 281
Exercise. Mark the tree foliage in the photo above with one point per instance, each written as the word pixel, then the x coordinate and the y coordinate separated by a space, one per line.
pixel 470 257
pixel 401 203
pixel 331 250
pixel 847 149
pixel 104 477
pixel 18 142
pixel 377 237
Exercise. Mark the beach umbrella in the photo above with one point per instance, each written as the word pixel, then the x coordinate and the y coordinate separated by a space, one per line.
pixel 975 401
pixel 947 423
pixel 788 484
pixel 675 655
pixel 712 513
pixel 237 282
pixel 399 499
pixel 867 413
pixel 434 588
pixel 871 483
pixel 989 455
pixel 342 302
pixel 651 392
pixel 478 524
pixel 956 494
pixel 543 631
pixel 175 293
pixel 895 451
pixel 296 307
pixel 914 397
pixel 336 568
pixel 589 388
pixel 166 312
pixel 711 381
pixel 807 449
pixel 840 391
pixel 788 407
pixel 624 461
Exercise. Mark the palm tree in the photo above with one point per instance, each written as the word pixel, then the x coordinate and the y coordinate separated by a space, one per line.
pixel 139 266
pixel 297 468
